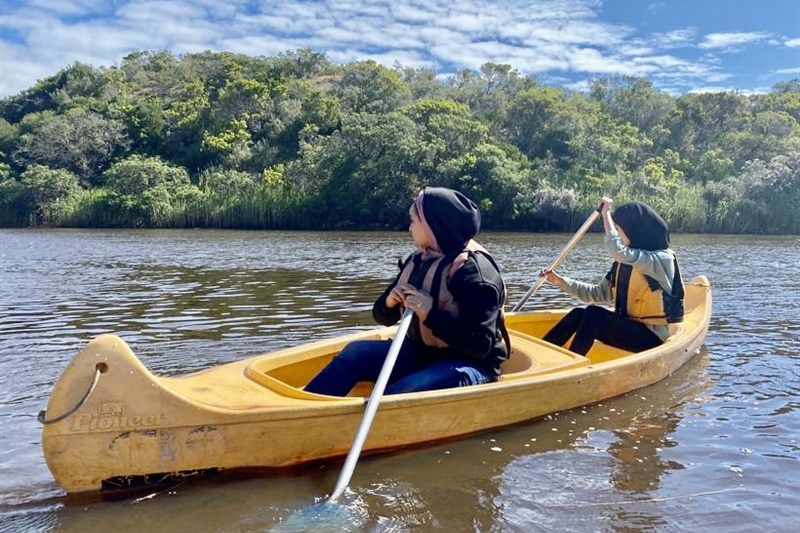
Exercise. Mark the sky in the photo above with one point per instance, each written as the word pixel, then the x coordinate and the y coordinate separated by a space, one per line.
pixel 681 46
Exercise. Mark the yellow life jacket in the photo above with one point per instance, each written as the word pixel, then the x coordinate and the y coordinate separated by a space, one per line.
pixel 442 297
pixel 641 297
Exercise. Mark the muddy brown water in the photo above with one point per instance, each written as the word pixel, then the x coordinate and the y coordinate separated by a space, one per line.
pixel 715 447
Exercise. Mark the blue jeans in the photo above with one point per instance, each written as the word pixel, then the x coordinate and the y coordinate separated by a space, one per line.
pixel 363 360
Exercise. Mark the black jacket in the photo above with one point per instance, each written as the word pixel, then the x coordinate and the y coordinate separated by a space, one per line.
pixel 476 334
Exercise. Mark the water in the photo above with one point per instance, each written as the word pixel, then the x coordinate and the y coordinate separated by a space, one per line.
pixel 716 447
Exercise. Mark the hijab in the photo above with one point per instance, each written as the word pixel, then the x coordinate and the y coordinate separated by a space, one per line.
pixel 451 218
pixel 644 227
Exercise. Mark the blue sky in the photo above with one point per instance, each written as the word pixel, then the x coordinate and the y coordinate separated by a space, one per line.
pixel 680 45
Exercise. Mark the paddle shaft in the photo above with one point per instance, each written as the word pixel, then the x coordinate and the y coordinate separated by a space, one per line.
pixel 372 407
pixel 567 247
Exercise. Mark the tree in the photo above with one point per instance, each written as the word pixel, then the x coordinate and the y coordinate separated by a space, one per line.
pixel 540 121
pixel 422 82
pixel 765 135
pixel 14 202
pixel 75 86
pixel 713 165
pixel 368 87
pixel 633 100
pixel 49 192
pixel 80 141
pixel 492 179
pixel 303 63
pixel 228 184
pixel 270 138
pixel 146 191
pixel 367 172
pixel 8 137
pixel 785 96
pixel 448 130
pixel 700 121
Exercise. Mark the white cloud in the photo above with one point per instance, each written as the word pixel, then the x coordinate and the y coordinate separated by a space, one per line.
pixel 561 39
pixel 675 38
pixel 731 40
pixel 724 89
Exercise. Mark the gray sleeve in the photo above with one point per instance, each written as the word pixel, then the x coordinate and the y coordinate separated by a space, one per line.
pixel 588 292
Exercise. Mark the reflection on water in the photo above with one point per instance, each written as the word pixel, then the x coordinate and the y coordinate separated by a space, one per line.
pixel 714 447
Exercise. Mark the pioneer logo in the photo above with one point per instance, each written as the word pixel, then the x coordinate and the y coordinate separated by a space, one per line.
pixel 111 416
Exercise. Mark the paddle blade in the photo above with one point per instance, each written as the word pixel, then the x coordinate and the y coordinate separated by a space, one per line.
pixel 324 517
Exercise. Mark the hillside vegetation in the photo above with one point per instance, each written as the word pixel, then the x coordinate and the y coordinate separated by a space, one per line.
pixel 295 142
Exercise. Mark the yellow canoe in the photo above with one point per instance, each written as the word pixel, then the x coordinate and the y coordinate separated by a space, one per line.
pixel 111 424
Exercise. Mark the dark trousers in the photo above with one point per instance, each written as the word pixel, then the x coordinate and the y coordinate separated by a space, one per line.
pixel 595 322
pixel 363 361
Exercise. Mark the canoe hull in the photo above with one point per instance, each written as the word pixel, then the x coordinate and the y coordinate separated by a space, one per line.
pixel 135 426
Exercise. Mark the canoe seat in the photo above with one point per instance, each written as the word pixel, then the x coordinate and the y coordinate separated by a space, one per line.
pixel 530 355
pixel 517 362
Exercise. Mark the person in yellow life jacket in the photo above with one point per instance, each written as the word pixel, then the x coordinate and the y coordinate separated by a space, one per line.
pixel 644 284
pixel 456 292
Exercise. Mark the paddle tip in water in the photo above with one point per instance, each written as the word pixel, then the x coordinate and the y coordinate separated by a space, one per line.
pixel 322 517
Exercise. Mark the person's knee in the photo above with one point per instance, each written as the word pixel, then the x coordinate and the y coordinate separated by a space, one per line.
pixel 593 312
pixel 443 375
pixel 353 353
pixel 575 313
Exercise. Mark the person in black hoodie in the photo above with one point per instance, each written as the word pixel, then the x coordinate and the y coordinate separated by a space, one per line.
pixel 456 292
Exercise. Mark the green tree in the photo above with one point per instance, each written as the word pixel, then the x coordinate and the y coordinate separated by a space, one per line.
pixel 366 86
pixel 8 137
pixel 15 204
pixel 448 131
pixel 146 191
pixel 422 82
pixel 80 141
pixel 491 178
pixel 713 165
pixel 701 121
pixel 785 96
pixel 765 135
pixel 50 192
pixel 540 121
pixel 366 173
pixel 303 63
pixel 228 184
pixel 75 86
pixel 632 100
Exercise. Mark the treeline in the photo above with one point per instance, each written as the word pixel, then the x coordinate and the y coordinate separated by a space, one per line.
pixel 296 142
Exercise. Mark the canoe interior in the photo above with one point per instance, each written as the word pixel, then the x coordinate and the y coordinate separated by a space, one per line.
pixel 278 378
pixel 288 371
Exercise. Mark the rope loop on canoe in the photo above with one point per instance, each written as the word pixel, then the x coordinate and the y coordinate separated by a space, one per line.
pixel 100 368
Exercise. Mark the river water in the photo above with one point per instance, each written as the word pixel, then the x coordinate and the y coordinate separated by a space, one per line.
pixel 715 447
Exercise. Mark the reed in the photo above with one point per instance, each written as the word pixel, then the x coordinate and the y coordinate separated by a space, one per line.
pixel 265 208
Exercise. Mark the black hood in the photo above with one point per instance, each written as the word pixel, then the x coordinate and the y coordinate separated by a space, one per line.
pixel 453 218
pixel 645 228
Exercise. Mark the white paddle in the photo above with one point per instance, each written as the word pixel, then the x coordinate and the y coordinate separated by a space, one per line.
pixel 372 407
